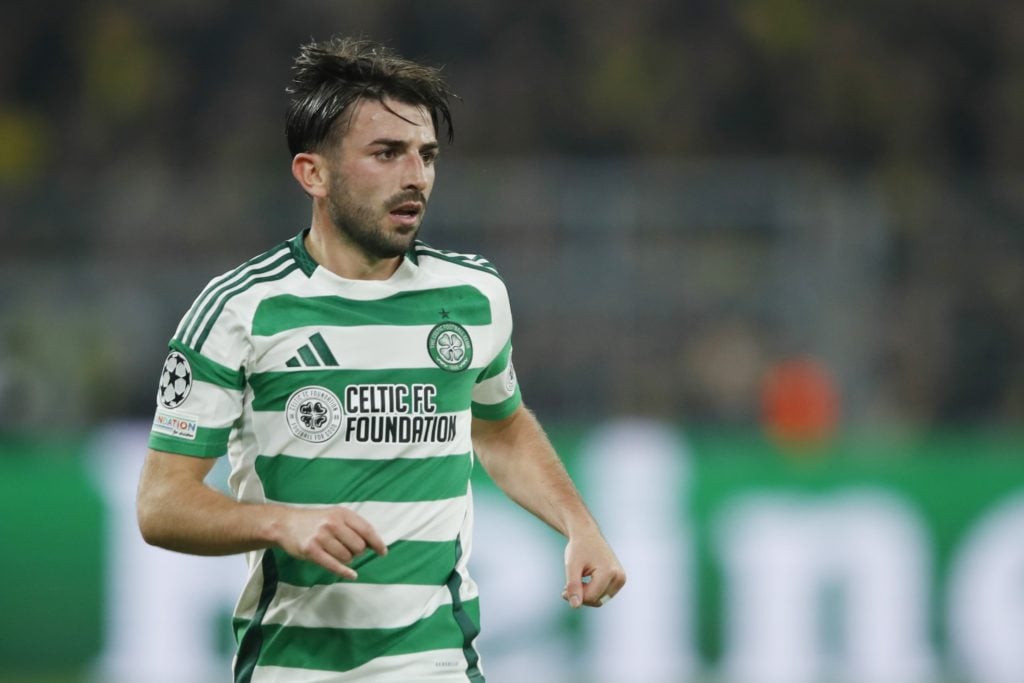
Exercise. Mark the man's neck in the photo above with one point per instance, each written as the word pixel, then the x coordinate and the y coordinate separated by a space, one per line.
pixel 344 259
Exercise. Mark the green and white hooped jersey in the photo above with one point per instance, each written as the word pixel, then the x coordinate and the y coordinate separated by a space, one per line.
pixel 327 391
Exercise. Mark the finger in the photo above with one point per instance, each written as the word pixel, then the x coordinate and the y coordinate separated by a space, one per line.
pixel 616 579
pixel 331 564
pixel 605 584
pixel 573 592
pixel 367 533
pixel 617 582
pixel 599 586
pixel 337 549
pixel 352 541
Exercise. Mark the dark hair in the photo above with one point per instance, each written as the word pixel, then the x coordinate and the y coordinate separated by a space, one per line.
pixel 330 76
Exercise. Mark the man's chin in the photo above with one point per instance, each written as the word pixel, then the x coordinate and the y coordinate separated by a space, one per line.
pixel 406 238
pixel 397 246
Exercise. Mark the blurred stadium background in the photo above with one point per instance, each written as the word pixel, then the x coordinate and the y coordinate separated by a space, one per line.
pixel 767 264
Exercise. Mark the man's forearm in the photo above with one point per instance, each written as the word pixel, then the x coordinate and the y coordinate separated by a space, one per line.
pixel 519 457
pixel 179 512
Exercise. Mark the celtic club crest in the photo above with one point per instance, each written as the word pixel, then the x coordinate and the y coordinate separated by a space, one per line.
pixel 450 347
pixel 313 414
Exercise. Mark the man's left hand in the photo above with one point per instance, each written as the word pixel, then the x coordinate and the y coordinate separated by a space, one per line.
pixel 593 575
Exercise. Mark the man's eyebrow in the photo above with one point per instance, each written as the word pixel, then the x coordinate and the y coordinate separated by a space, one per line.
pixel 402 144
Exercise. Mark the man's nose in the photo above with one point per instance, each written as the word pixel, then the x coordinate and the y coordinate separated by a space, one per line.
pixel 416 174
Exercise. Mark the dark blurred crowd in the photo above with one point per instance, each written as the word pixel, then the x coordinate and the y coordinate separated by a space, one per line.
pixel 141 150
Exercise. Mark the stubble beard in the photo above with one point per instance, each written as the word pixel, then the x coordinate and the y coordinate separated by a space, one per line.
pixel 362 227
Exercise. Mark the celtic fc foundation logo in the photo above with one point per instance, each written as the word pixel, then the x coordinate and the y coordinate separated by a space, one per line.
pixel 450 347
pixel 313 414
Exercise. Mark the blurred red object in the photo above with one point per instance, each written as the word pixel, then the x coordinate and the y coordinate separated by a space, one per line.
pixel 800 402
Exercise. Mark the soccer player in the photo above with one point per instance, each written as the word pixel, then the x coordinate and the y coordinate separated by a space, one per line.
pixel 351 375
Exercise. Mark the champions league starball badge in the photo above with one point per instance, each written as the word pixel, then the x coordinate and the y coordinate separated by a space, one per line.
pixel 450 347
pixel 175 381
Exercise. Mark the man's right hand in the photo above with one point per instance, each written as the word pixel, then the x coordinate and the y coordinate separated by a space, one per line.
pixel 330 537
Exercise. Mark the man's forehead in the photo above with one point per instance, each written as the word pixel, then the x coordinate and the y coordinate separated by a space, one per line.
pixel 392 115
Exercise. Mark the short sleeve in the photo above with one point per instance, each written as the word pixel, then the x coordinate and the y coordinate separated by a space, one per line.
pixel 496 394
pixel 199 398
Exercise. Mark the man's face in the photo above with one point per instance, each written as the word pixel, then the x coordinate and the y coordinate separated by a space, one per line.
pixel 382 173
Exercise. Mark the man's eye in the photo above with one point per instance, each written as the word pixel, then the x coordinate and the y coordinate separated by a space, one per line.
pixel 386 154
pixel 429 157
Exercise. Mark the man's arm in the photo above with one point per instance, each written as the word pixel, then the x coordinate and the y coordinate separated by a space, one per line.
pixel 520 459
pixel 178 511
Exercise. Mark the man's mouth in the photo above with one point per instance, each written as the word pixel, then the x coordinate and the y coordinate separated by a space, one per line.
pixel 407 213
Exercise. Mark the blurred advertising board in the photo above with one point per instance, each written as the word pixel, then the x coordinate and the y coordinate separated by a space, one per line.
pixel 874 561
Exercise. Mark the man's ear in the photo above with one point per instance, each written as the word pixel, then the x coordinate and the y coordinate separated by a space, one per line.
pixel 310 170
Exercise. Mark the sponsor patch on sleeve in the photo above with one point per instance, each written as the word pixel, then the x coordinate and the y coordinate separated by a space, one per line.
pixel 176 424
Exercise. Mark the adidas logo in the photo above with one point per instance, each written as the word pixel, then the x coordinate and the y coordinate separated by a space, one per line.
pixel 313 355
